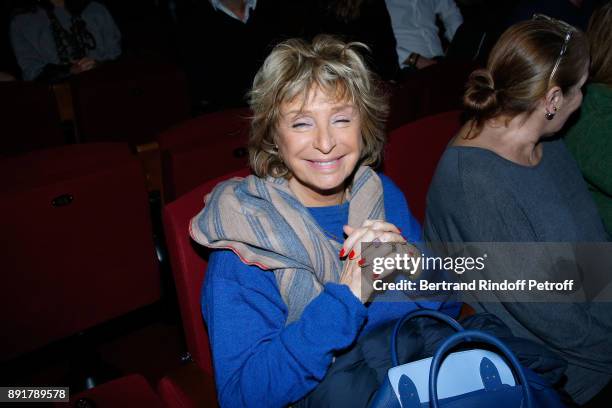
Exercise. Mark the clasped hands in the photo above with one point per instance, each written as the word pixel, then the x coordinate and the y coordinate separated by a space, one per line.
pixel 374 233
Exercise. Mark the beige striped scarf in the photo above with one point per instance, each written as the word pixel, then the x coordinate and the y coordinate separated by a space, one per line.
pixel 263 222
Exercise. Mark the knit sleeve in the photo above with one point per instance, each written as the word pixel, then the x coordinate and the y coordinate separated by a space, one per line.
pixel 474 205
pixel 258 360
pixel 468 204
pixel 591 145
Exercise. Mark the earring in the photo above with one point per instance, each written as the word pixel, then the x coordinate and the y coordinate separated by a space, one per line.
pixel 551 115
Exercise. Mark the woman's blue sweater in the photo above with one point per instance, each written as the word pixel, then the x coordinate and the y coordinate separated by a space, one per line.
pixel 260 361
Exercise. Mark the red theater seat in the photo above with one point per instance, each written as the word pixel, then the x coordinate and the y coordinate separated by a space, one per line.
pixel 188 261
pixel 188 387
pixel 30 119
pixel 412 154
pixel 76 243
pixel 203 148
pixel 129 101
pixel 127 392
pixel 435 89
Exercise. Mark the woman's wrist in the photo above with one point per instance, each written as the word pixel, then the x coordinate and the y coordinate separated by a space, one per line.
pixel 413 59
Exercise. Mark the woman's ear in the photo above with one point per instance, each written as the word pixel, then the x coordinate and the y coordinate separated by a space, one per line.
pixel 553 100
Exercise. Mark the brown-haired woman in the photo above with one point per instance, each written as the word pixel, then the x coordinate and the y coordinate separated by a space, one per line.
pixel 504 178
pixel 590 138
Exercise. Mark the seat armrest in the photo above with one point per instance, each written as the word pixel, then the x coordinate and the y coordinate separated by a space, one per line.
pixel 188 387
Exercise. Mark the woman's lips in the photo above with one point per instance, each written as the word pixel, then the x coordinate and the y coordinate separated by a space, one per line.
pixel 325 164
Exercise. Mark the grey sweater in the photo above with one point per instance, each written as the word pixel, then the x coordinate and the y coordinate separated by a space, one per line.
pixel 34 46
pixel 478 196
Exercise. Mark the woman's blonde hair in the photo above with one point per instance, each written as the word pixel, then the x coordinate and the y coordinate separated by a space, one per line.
pixel 529 59
pixel 292 70
pixel 599 34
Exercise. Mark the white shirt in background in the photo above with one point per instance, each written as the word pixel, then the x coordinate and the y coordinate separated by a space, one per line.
pixel 249 5
pixel 414 25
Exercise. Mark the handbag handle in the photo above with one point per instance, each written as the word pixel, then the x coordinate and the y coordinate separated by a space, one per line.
pixel 471 335
pixel 434 314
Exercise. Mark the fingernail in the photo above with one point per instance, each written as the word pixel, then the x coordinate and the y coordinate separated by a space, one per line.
pixel 342 251
pixel 399 229
pixel 351 254
pixel 361 262
pixel 375 276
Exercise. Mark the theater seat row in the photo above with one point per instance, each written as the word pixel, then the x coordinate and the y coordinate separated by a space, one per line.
pixel 77 238
pixel 128 101
pixel 133 100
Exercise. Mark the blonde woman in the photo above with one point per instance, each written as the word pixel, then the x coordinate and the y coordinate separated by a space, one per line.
pixel 283 292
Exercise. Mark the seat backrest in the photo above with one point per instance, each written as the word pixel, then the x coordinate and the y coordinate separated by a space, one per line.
pixel 435 89
pixel 76 244
pixel 30 119
pixel 203 148
pixel 188 261
pixel 129 101
pixel 133 390
pixel 412 154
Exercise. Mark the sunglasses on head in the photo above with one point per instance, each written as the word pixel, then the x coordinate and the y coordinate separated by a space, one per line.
pixel 569 29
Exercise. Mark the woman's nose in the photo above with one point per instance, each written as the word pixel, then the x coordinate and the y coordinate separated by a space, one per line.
pixel 324 140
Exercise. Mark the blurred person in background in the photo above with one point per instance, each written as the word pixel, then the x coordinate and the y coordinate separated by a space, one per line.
pixel 416 31
pixel 574 12
pixel 53 39
pixel 365 21
pixel 223 42
pixel 590 138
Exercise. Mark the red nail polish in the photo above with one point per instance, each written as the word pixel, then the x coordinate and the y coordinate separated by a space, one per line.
pixel 351 254
pixel 361 262
pixel 341 253
pixel 375 276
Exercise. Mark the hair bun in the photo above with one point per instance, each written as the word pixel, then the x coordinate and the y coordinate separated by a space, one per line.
pixel 480 96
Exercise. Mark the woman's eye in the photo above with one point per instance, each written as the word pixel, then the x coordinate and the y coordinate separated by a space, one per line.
pixel 342 120
pixel 299 125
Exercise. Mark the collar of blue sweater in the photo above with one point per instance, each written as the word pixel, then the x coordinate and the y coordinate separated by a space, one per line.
pixel 331 219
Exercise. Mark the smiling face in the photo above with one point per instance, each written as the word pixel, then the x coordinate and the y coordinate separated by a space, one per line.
pixel 320 143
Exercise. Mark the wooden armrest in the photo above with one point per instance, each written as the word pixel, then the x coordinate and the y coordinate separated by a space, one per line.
pixel 148 154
